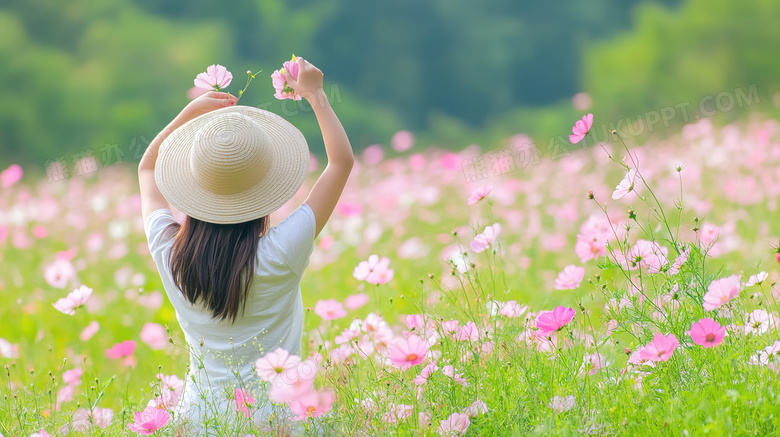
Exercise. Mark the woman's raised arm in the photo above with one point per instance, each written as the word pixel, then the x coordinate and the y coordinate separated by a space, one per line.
pixel 151 198
pixel 326 191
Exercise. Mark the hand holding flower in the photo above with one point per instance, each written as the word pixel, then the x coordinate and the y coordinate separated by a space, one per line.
pixel 303 80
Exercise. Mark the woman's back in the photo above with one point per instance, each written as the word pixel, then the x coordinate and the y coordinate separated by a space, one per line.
pixel 222 353
pixel 236 294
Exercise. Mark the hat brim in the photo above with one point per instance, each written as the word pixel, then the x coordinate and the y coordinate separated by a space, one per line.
pixel 284 177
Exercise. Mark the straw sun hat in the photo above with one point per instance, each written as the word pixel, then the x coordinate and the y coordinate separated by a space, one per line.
pixel 232 165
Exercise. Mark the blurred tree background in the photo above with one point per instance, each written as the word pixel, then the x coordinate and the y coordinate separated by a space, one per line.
pixel 89 75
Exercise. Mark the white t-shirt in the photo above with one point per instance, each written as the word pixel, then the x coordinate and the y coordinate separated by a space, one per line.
pixel 222 354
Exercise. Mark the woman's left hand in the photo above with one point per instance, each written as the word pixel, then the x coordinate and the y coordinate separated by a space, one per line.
pixel 206 103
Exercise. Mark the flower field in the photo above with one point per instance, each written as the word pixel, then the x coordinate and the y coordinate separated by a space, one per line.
pixel 617 290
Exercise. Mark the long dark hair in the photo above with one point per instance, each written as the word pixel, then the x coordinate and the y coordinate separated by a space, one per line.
pixel 214 263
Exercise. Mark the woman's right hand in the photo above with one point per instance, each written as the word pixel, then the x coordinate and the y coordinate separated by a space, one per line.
pixel 309 82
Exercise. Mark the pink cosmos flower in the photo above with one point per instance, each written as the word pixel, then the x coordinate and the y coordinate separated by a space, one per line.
pixel 581 101
pixel 708 234
pixel 757 279
pixel 482 241
pixel 414 321
pixel 215 78
pixel 59 273
pixel 72 377
pixel 272 365
pixel 279 79
pixel 374 271
pixel 376 327
pixel 476 408
pixel 407 352
pixel 80 421
pixel 455 425
pixel 75 299
pixel 479 194
pixel 349 208
pixel 347 335
pixel 426 373
pixel 8 350
pixel 589 247
pixel 171 382
pixel 402 141
pixel 330 309
pixel 644 254
pixel 707 333
pixel 10 176
pixel 167 400
pixel 65 394
pixel 450 327
pixel 40 232
pixel 720 292
pixel 758 321
pixel 581 128
pixel 243 401
pixel 102 417
pixel 84 418
pixel 119 350
pixel 147 422
pixel 154 335
pixel 764 355
pixel 294 382
pixel 469 331
pixel 341 353
pixel 312 404
pixel 552 321
pixel 512 309
pixel 660 349
pixel 89 331
pixel 356 301
pixel 592 363
pixel 41 433
pixel 636 359
pixel 679 261
pixel 397 413
pixel 626 185
pixel 457 377
pixel 560 404
pixel 569 278
pixel 373 154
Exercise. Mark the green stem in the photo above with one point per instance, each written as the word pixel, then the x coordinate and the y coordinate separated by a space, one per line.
pixel 249 78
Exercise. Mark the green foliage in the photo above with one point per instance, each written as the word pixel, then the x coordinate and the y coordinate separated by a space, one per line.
pixel 84 74
pixel 75 90
pixel 676 56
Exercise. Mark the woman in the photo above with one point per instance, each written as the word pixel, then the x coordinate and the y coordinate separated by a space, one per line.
pixel 235 282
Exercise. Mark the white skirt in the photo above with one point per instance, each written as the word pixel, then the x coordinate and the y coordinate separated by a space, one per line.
pixel 211 410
